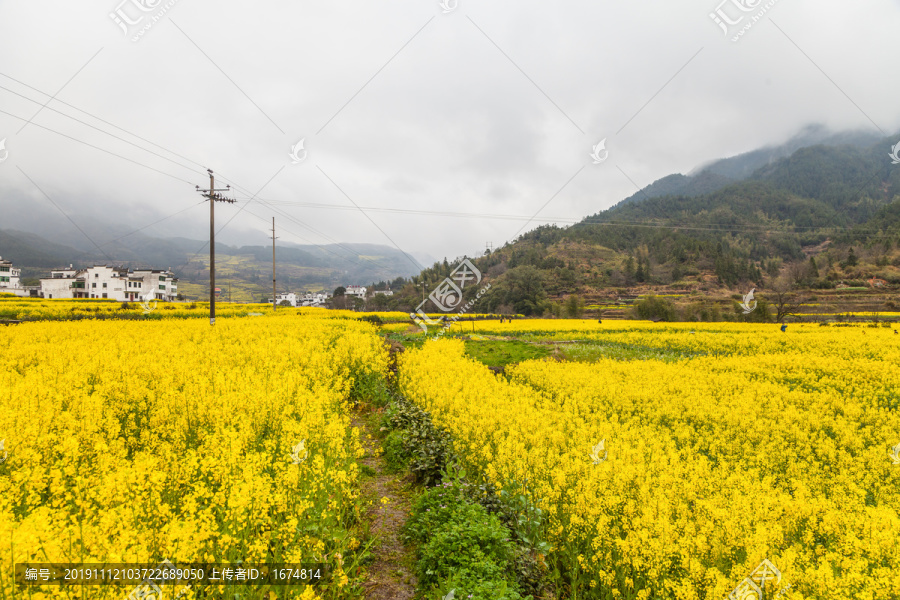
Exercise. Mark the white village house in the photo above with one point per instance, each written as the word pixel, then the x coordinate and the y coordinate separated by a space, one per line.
pixel 310 299
pixel 163 282
pixel 356 290
pixel 289 297
pixel 9 277
pixel 115 283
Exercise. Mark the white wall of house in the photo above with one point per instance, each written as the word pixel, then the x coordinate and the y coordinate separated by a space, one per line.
pixel 57 288
pixel 61 285
pixel 102 281
pixel 134 290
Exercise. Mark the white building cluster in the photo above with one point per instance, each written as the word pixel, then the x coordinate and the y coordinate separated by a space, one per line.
pixel 307 299
pixel 115 283
pixel 99 281
pixel 133 285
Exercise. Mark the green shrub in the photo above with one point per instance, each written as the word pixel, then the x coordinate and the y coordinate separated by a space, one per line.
pixel 527 526
pixel 655 308
pixel 471 539
pixel 370 388
pixel 762 313
pixel 395 455
pixel 458 535
pixel 470 586
pixel 428 447
pixel 374 319
pixel 432 510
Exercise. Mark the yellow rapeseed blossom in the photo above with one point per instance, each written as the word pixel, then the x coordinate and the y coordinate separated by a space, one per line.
pixel 132 441
pixel 763 445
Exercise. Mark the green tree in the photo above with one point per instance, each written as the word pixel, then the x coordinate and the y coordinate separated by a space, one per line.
pixel 629 269
pixel 654 308
pixel 525 289
pixel 574 306
pixel 379 302
pixel 555 309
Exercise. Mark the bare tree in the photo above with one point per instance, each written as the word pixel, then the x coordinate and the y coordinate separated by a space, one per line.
pixel 784 299
pixel 798 271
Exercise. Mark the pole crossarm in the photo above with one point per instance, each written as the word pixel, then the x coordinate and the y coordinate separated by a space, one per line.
pixel 216 195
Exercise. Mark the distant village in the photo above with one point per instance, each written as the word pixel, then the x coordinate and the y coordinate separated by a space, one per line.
pixel 308 299
pixel 133 285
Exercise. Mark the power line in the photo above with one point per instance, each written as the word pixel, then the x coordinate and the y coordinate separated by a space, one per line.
pixel 93 116
pixel 323 248
pixel 90 239
pixel 319 233
pixel 140 164
pixel 313 230
pixel 86 124
pixel 376 209
pixel 151 224
pixel 189 160
pixel 298 222
pixel 582 221
pixel 243 208
pixel 272 203
pixel 155 154
pixel 59 90
pixel 416 265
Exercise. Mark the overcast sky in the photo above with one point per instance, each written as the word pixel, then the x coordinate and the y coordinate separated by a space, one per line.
pixel 482 108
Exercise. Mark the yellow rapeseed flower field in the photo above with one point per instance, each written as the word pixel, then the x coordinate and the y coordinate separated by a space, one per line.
pixel 759 445
pixel 135 441
pixel 40 309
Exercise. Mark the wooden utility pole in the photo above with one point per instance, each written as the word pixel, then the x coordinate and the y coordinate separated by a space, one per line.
pixel 274 294
pixel 213 198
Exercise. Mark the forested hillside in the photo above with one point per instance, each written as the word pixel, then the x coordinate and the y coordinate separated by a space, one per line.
pixel 823 217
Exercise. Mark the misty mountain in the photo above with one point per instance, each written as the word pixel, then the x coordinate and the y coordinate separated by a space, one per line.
pixel 821 216
pixel 299 267
pixel 681 185
pixel 805 197
pixel 714 176
pixel 30 250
